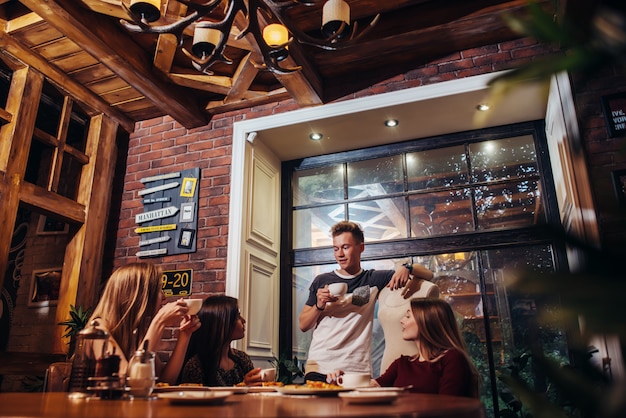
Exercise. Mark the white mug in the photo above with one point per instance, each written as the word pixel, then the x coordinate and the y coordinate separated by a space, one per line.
pixel 338 289
pixel 354 380
pixel 194 305
pixel 268 375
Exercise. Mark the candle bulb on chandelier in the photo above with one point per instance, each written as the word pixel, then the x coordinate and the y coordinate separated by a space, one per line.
pixel 204 41
pixel 148 10
pixel 334 14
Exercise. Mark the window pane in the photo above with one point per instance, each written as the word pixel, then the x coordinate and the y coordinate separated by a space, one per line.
pixel 509 205
pixel 311 227
pixel 49 112
pixel 78 128
pixel 381 219
pixel 318 185
pixel 443 167
pixel 39 163
pixel 503 159
pixel 71 170
pixel 441 213
pixel 515 327
pixel 375 177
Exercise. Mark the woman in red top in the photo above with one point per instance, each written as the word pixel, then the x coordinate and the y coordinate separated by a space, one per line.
pixel 442 364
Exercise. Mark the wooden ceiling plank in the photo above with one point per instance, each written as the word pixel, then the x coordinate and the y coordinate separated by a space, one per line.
pixel 83 95
pixel 121 56
pixel 244 76
pixel 210 83
pixel 273 96
pixel 108 7
pixel 23 22
pixel 165 52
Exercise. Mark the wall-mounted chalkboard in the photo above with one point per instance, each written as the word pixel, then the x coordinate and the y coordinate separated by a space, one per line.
pixel 615 113
pixel 169 222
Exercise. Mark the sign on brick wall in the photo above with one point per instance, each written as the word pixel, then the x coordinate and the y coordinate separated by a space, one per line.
pixel 615 113
pixel 169 222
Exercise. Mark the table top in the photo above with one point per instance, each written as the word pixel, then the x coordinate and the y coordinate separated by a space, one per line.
pixel 257 405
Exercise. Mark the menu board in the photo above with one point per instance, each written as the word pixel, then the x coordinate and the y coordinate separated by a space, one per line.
pixel 169 222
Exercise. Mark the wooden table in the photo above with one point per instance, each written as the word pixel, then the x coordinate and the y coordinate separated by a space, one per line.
pixel 258 405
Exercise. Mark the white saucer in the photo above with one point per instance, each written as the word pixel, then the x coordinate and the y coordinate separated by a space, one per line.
pixel 232 389
pixel 357 397
pixel 195 397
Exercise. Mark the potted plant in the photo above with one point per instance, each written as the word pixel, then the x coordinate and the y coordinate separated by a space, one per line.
pixel 77 321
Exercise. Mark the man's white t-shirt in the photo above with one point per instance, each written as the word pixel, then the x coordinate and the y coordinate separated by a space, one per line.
pixel 343 335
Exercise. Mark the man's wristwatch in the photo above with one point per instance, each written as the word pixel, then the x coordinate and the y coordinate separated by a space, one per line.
pixel 409 267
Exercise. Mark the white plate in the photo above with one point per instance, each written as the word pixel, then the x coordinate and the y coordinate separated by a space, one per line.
pixel 380 389
pixel 303 390
pixel 195 397
pixel 183 388
pixel 257 389
pixel 369 397
pixel 233 389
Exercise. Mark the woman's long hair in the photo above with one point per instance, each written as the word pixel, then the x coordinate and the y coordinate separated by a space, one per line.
pixel 219 315
pixel 437 331
pixel 130 299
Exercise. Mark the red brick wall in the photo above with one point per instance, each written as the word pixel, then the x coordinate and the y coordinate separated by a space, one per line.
pixel 162 145
pixel 604 154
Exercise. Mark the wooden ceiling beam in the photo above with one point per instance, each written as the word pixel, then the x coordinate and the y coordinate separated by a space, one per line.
pixel 82 94
pixel 124 58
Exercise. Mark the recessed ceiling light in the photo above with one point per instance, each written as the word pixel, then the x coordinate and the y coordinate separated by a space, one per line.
pixel 390 123
pixel 316 136
pixel 482 107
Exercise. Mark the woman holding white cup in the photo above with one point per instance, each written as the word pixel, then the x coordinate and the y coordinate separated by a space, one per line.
pixel 210 359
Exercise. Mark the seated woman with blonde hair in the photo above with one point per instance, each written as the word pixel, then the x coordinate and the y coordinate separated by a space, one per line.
pixel 132 309
pixel 442 364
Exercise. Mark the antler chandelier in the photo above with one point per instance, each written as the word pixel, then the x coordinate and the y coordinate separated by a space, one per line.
pixel 211 30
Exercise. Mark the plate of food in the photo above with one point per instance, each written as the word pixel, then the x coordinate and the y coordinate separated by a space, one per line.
pixel 312 388
pixel 195 398
pixel 189 387
pixel 359 397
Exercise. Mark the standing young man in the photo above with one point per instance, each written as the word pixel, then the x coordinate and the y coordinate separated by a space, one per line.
pixel 342 326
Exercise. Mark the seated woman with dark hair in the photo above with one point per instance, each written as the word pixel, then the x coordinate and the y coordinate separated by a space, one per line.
pixel 210 359
pixel 442 364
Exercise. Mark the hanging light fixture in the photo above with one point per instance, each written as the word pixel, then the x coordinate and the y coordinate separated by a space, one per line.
pixel 147 10
pixel 336 19
pixel 266 21
pixel 277 37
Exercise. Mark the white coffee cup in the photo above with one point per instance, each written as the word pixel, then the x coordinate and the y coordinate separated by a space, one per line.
pixel 338 289
pixel 268 375
pixel 194 305
pixel 354 380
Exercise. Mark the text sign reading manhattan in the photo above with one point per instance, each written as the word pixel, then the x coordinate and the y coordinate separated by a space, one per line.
pixel 156 214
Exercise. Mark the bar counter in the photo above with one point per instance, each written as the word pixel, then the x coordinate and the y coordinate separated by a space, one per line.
pixel 258 405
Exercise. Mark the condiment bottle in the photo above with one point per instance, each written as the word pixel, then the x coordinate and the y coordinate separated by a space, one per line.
pixel 141 374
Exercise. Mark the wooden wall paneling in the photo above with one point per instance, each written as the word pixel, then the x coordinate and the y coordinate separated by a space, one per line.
pixel 15 139
pixel 263 224
pixel 262 318
pixel 83 256
pixel 259 283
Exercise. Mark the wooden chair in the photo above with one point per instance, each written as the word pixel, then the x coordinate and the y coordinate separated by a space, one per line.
pixel 57 378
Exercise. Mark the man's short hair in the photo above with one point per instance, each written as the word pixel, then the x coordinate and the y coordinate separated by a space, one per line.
pixel 348 226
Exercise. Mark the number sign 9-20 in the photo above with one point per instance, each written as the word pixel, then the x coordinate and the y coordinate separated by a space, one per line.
pixel 177 282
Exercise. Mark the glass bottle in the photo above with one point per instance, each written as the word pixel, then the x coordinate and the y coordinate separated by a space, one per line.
pixel 141 372
pixel 91 344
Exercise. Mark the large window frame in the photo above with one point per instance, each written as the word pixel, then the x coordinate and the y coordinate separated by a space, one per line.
pixel 479 241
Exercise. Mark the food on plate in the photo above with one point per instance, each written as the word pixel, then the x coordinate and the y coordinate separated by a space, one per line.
pixel 312 384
